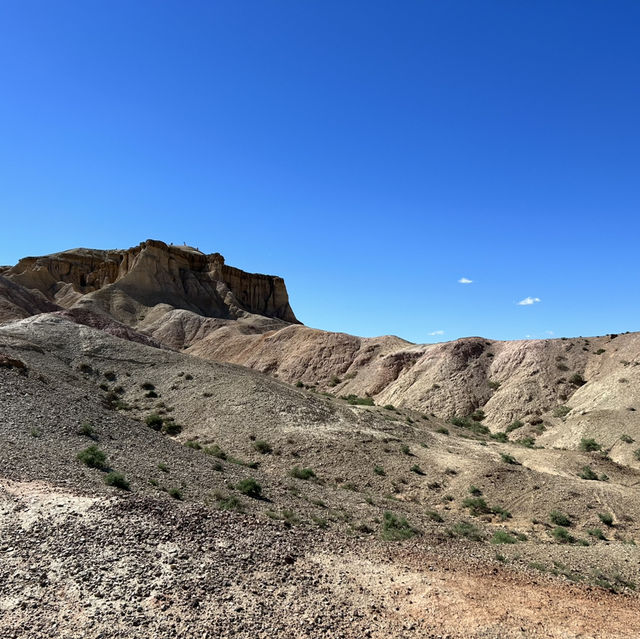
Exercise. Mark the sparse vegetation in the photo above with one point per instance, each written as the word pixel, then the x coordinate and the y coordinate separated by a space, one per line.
pixel 501 437
pixel 379 470
pixel 228 502
pixel 154 421
pixel 562 535
pixel 118 480
pixel 416 469
pixel 215 451
pixel 514 426
pixel 588 473
pixel 606 519
pixel 354 400
pixel 263 447
pixel 434 516
pixel 503 537
pixel 250 487
pixel 589 445
pixel 577 380
pixel 509 459
pixel 442 430
pixel 302 473
pixel 396 528
pixel 559 519
pixel 561 411
pixel 626 439
pixel 465 529
pixel 93 457
pixel 176 493
pixel 87 430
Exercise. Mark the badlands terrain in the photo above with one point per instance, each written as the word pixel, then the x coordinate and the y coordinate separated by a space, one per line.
pixel 181 457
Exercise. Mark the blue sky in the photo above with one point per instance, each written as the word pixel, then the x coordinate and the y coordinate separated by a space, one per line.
pixel 371 153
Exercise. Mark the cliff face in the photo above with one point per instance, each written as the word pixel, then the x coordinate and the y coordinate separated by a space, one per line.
pixel 128 284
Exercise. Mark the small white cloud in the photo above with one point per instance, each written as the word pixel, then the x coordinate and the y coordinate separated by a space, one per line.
pixel 437 333
pixel 549 332
pixel 527 301
pixel 465 280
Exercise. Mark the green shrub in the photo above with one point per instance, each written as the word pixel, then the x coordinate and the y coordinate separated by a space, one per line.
pixel 389 407
pixel 478 415
pixel 562 535
pixel 561 411
pixel 503 537
pixel 148 386
pixel 116 479
pixel 192 443
pixel 559 519
pixel 500 437
pixel 405 449
pixel 509 459
pixel 596 532
pixel 299 384
pixel 171 428
pixel 475 491
pixel 477 506
pixel 163 467
pixel 379 470
pixel 176 493
pixel 466 530
pixel 250 487
pixel 302 473
pixel 606 519
pixel 396 527
pixel 626 439
pixel 154 421
pixel 636 453
pixel 416 469
pixel 589 445
pixel 215 451
pixel 87 430
pixel 514 426
pixel 527 442
pixel 354 400
pixel 577 380
pixel 228 502
pixel 587 473
pixel 93 457
pixel 435 516
pixel 442 430
pixel 493 385
pixel 263 447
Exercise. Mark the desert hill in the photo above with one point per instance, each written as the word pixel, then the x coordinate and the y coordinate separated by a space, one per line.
pixel 148 489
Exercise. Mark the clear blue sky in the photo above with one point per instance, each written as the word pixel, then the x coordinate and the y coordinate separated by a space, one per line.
pixel 372 153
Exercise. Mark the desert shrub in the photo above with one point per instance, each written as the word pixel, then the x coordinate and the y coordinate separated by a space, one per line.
pixel 163 467
pixel 626 439
pixel 354 400
pixel 502 512
pixel 171 428
pixel 475 491
pixel 442 430
pixel 263 447
pixel 509 459
pixel 93 457
pixel 250 487
pixel 500 437
pixel 503 537
pixel 405 449
pixel 153 421
pixel 596 532
pixel 176 493
pixel 435 516
pixel 396 527
pixel 192 443
pixel 527 442
pixel 514 426
pixel 215 451
pixel 477 506
pixel 389 407
pixel 118 480
pixel 589 445
pixel 606 518
pixel 110 375
pixel 559 519
pixel 228 502
pixel 148 386
pixel 561 411
pixel 587 473
pixel 334 381
pixel 600 351
pixel 299 384
pixel 577 380
pixel 493 385
pixel 562 535
pixel 416 469
pixel 379 470
pixel 465 529
pixel 87 430
pixel 636 453
pixel 478 415
pixel 302 473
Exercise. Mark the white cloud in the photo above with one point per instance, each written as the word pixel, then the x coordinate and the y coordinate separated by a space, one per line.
pixel 437 333
pixel 465 280
pixel 549 332
pixel 527 301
